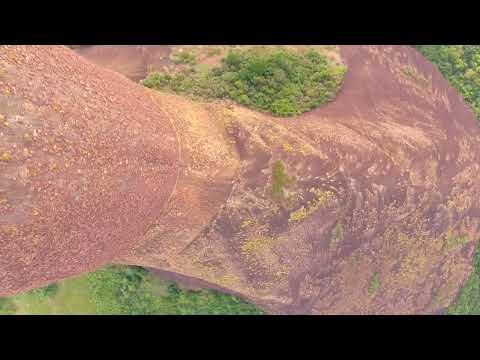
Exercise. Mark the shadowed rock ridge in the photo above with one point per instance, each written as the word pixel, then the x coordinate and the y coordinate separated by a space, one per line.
pixel 377 211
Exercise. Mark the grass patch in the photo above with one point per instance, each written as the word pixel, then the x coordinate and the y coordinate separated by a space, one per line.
pixel 122 290
pixel 271 79
pixel 47 291
pixel 374 284
pixel 7 307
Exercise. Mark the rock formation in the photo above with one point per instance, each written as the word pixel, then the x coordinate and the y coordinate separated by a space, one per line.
pixel 367 205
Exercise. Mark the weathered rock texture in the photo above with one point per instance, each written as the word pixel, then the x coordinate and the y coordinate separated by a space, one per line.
pixel 88 163
pixel 379 213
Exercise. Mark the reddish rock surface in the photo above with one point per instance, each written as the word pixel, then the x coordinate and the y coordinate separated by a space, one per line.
pixel 382 216
pixel 90 163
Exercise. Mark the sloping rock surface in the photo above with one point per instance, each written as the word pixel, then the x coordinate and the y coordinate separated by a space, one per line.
pixel 377 213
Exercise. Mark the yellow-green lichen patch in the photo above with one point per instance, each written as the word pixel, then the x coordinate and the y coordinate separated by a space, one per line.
pixel 452 240
pixel 248 223
pixel 5 156
pixel 287 147
pixel 299 215
pixel 262 260
pixel 256 244
pixel 412 73
pixel 322 199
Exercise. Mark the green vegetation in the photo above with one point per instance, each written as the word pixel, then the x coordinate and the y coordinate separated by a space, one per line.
pixel 280 179
pixel 184 57
pixel 272 79
pixel 468 303
pixel 374 284
pixel 122 290
pixel 460 64
pixel 47 291
pixel 7 306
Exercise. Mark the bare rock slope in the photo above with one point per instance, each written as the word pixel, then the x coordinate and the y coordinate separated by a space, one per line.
pixel 367 205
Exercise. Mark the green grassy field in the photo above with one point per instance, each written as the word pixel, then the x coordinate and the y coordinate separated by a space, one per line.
pixel 123 290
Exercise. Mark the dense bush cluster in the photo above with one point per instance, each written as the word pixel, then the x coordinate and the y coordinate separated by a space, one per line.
pixel 460 64
pixel 128 290
pixel 276 80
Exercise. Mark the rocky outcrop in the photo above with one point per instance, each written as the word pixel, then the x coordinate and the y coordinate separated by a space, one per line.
pixel 367 205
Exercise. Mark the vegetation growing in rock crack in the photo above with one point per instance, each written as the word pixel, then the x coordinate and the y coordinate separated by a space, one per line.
pixel 280 179
pixel 271 79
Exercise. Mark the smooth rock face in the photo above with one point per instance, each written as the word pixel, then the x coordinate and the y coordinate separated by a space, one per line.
pixel 379 211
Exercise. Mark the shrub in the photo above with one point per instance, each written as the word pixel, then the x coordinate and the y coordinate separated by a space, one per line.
pixel 184 57
pixel 127 290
